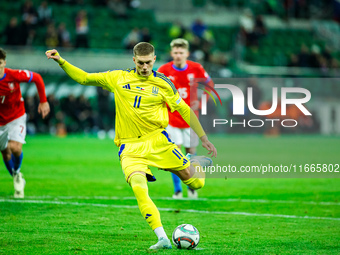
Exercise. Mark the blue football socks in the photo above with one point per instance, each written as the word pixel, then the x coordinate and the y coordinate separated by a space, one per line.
pixel 10 166
pixel 177 183
pixel 17 161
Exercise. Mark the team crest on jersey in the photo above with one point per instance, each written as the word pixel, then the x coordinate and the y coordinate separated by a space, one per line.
pixel 11 86
pixel 191 78
pixel 155 90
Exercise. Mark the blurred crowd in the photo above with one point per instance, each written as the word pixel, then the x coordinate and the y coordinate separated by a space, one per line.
pixel 253 29
pixel 202 42
pixel 37 21
pixel 23 31
pixel 314 58
pixel 72 114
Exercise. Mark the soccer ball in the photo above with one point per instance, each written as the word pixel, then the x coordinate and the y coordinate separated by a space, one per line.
pixel 185 236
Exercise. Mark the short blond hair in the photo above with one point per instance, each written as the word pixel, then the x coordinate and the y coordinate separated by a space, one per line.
pixel 143 49
pixel 179 43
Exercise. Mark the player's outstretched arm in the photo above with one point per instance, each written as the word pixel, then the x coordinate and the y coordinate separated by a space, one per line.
pixel 197 127
pixel 190 117
pixel 44 107
pixel 78 75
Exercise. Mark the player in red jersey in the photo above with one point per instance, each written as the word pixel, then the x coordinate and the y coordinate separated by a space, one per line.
pixel 184 73
pixel 13 118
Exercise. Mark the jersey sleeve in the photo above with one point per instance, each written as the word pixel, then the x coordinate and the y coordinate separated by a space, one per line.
pixel 171 96
pixel 84 78
pixel 208 81
pixel 39 83
pixel 112 78
pixel 202 73
pixel 23 75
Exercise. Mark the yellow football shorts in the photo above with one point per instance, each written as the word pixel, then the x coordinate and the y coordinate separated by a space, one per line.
pixel 155 150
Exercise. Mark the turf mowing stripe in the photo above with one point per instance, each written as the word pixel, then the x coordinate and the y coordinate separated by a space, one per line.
pixel 193 199
pixel 64 203
pixel 169 209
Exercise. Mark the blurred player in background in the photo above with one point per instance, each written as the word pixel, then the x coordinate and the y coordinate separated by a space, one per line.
pixel 13 118
pixel 141 95
pixel 184 73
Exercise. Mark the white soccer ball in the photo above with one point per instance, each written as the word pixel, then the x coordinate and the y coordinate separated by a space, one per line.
pixel 185 236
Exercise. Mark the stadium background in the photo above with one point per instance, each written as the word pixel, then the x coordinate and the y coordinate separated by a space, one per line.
pixel 66 165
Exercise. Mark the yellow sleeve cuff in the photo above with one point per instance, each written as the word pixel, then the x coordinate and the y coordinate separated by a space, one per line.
pixel 61 61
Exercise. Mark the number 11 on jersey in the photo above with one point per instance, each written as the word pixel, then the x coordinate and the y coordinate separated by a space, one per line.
pixel 137 101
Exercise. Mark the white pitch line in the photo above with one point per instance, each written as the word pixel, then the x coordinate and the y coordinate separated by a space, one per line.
pixel 192 199
pixel 169 209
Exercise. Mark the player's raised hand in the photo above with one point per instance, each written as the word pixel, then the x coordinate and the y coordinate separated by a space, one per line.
pixel 44 109
pixel 54 54
pixel 209 146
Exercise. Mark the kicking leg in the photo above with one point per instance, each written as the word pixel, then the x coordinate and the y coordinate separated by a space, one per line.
pixel 194 176
pixel 148 209
pixel 190 178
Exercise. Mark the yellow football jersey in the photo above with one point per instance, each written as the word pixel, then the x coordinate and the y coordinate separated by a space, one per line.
pixel 140 101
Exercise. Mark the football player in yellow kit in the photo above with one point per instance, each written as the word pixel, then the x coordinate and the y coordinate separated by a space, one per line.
pixel 141 98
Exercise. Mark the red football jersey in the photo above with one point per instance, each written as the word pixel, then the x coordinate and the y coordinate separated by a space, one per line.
pixel 11 102
pixel 183 79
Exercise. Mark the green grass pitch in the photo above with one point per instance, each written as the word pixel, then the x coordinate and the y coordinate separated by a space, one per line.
pixel 77 201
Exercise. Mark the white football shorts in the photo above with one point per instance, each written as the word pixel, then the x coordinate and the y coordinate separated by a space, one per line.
pixel 183 136
pixel 14 131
